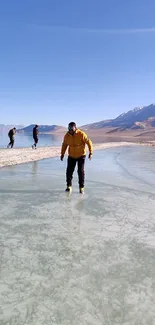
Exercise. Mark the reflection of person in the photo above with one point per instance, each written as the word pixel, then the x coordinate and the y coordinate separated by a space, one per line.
pixel 11 136
pixel 76 140
pixel 35 136
pixel 34 168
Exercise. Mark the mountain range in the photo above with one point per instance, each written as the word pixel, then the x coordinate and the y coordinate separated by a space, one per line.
pixel 138 122
pixel 43 128
pixel 135 125
pixel 138 118
pixel 4 127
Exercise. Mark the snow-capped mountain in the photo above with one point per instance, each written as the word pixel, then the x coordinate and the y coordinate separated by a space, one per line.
pixel 131 119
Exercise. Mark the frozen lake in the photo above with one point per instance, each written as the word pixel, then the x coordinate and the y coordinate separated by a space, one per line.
pixel 79 260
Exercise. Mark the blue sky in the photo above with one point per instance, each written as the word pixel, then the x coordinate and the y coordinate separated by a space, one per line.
pixel 75 60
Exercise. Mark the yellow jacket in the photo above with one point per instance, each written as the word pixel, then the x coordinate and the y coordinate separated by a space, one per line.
pixel 76 144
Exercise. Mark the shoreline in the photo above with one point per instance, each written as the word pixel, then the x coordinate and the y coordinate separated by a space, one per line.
pixel 17 156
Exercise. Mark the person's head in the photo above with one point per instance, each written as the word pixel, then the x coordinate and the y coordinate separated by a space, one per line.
pixel 72 127
pixel 36 126
pixel 14 129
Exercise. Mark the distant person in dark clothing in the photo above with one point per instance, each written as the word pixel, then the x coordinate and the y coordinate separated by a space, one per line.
pixel 35 136
pixel 11 136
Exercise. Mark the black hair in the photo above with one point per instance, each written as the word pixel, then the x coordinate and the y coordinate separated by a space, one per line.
pixel 71 124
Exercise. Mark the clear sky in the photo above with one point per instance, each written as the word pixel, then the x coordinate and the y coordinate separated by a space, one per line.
pixel 82 60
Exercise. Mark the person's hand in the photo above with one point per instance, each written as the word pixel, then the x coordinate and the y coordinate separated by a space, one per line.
pixel 90 156
pixel 61 157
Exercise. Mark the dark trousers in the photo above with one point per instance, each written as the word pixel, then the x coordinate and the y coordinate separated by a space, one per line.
pixel 35 141
pixel 71 163
pixel 11 143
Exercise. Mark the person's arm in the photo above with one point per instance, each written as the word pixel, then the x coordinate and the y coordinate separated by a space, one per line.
pixel 63 147
pixel 89 144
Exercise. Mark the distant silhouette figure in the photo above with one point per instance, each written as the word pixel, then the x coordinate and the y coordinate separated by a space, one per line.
pixel 11 136
pixel 35 136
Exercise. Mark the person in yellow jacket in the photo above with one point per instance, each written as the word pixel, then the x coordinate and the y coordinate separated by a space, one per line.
pixel 76 140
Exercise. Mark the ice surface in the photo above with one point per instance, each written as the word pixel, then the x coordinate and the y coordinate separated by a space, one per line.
pixel 73 259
